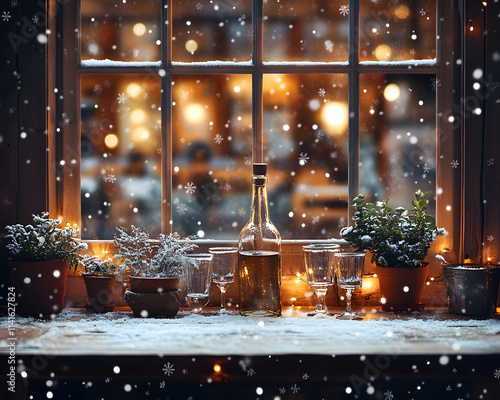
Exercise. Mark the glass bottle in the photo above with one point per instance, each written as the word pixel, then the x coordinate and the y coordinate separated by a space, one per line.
pixel 259 255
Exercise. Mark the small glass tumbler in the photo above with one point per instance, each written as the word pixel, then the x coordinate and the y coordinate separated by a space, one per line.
pixel 319 271
pixel 197 268
pixel 349 272
pixel 223 270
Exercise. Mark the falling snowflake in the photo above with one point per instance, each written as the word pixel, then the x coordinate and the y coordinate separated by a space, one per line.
pixel 110 178
pixel 35 19
pixel 334 155
pixel 388 395
pixel 135 53
pixel 218 138
pixel 185 371
pixel 190 188
pixel 121 98
pixel 12 110
pixel 496 374
pixel 6 16
pixel 341 223
pixel 325 378
pixel 413 52
pixel 455 164
pixel 227 187
pixel 490 238
pixel 97 89
pixel 448 388
pixel 435 84
pixel 344 10
pixel 182 140
pixel 13 3
pixel 181 208
pixel 490 162
pixel 199 6
pixel 56 291
pixel 251 372
pixel 329 45
pixel 315 220
pixel 106 380
pixel 426 169
pixel 241 211
pixel 162 385
pixel 305 376
pixel 147 393
pixel 319 135
pixel 454 370
pixel 295 389
pixel 158 150
pixel 184 96
pixel 321 92
pixel 303 158
pixel 168 369
pixel 131 146
pixel 26 102
pixel 282 390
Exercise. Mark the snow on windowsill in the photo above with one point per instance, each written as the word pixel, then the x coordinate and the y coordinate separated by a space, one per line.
pixel 409 63
pixel 112 63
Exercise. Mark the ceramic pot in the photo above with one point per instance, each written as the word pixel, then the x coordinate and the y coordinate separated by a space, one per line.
pixel 139 284
pixel 402 288
pixel 99 293
pixel 40 286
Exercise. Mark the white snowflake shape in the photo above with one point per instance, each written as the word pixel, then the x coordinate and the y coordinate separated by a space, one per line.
pixel 496 374
pixel 26 102
pixel 110 178
pixel 303 158
pixel 97 89
pixel 199 6
pixel 315 220
pixel 322 92
pixel 413 52
pixel 295 389
pixel 325 378
pixel 490 238
pixel 121 98
pixel 344 10
pixel 181 209
pixel 227 187
pixel 6 16
pixel 305 376
pixel 135 53
pixel 388 395
pixel 329 45
pixel 455 164
pixel 341 223
pixel 106 380
pixel 56 291
pixel 334 155
pixel 190 188
pixel 35 19
pixel 185 371
pixel 426 169
pixel 251 372
pixel 490 162
pixel 162 385
pixel 168 369
pixel 131 145
pixel 282 390
pixel 12 110
pixel 319 135
pixel 182 140
pixel 454 370
pixel 435 84
pixel 448 388
pixel 218 138
pixel 13 3
pixel 241 211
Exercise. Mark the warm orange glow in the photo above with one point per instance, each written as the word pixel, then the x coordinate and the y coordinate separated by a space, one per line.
pixel 383 52
pixel 392 92
pixel 137 116
pixel 140 133
pixel 191 46
pixel 111 140
pixel 139 29
pixel 485 3
pixel 402 11
pixel 217 368
pixel 335 116
pixel 194 113
pixel 133 90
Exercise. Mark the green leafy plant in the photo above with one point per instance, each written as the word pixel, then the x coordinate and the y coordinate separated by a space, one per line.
pixel 43 241
pixel 397 238
pixel 94 266
pixel 142 256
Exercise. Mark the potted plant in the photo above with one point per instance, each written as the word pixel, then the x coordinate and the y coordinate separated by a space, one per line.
pixel 399 240
pixel 154 269
pixel 99 276
pixel 40 254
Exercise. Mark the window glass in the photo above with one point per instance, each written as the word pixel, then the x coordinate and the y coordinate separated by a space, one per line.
pixel 397 30
pixel 212 154
pixel 397 137
pixel 120 153
pixel 297 30
pixel 120 30
pixel 306 146
pixel 206 30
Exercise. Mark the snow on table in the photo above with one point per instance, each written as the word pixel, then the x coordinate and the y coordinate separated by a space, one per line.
pixel 75 332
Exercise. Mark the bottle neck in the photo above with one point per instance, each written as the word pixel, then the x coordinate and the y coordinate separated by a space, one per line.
pixel 260 210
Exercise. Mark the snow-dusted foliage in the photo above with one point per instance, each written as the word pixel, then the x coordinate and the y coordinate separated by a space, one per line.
pixel 94 266
pixel 397 238
pixel 44 240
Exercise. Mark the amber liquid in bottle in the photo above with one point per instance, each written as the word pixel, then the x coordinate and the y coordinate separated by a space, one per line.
pixel 259 258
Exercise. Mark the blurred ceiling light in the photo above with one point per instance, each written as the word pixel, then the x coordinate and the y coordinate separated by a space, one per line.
pixel 140 133
pixel 111 140
pixel 335 116
pixel 191 46
pixel 383 52
pixel 402 11
pixel 194 113
pixel 139 29
pixel 137 116
pixel 133 90
pixel 392 92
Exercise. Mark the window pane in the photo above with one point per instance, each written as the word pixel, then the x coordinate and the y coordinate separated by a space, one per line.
pixel 297 30
pixel 121 139
pixel 306 146
pixel 212 153
pixel 120 30
pixel 397 137
pixel 209 31
pixel 395 30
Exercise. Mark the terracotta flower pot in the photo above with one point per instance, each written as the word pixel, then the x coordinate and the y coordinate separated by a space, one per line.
pixel 140 284
pixel 40 286
pixel 99 293
pixel 402 287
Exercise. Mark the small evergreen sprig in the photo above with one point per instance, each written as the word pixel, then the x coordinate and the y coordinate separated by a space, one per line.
pixel 94 266
pixel 396 238
pixel 167 261
pixel 134 250
pixel 44 240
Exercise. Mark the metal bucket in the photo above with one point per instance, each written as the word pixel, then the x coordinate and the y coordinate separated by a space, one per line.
pixel 472 288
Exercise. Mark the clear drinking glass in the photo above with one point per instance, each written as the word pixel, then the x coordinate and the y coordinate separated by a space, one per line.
pixel 319 270
pixel 197 269
pixel 223 270
pixel 349 272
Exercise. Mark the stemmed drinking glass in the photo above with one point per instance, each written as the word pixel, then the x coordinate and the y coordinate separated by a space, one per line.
pixel 223 270
pixel 319 270
pixel 349 271
pixel 198 276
